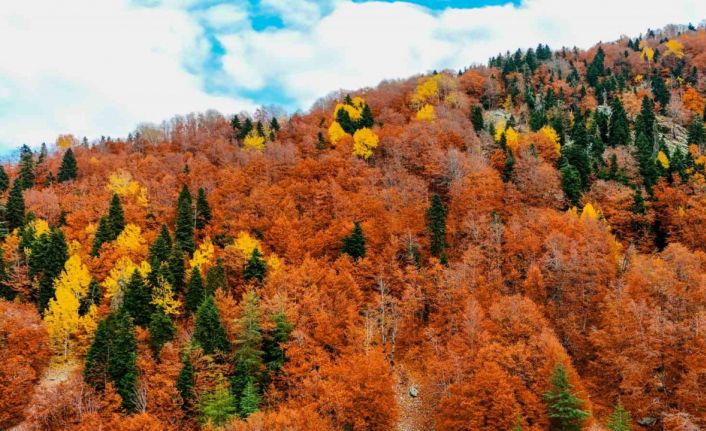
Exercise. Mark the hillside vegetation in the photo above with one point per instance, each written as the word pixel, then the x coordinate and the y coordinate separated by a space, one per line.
pixel 517 246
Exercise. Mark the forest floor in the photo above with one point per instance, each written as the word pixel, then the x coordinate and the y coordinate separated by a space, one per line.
pixel 412 415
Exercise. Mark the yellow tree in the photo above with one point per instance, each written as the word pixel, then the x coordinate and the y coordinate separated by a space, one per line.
pixel 364 141
pixel 62 316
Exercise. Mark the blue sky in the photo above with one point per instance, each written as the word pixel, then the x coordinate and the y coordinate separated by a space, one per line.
pixel 95 68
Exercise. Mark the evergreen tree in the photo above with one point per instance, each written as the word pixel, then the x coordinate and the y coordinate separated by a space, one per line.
pixel 660 91
pixel 697 134
pixel 509 165
pixel 563 407
pixel 235 125
pixel 246 129
pixel 26 175
pixel 597 68
pixel 354 244
pixel 209 332
pixel 137 300
pixel 184 231
pixel 160 248
pixel 571 183
pixel 104 234
pixel 95 371
pixel 216 278
pixel 4 180
pixel 477 117
pixel 185 381
pixel 436 226
pixel 366 118
pixel 194 292
pixel 250 399
pixel 6 292
pixel 49 253
pixel 116 217
pixel 344 119
pixel 218 407
pixel 619 420
pixel 274 340
pixel 646 120
pixel 619 129
pixel 646 161
pixel 161 331
pixel 255 268
pixel 15 206
pixel 248 365
pixel 69 169
pixel 638 202
pixel 177 271
pixel 203 211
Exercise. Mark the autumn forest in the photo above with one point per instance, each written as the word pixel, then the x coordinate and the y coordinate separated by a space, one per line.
pixel 519 245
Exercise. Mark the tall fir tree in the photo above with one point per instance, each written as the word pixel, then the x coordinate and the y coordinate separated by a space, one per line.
pixel 15 208
pixel 137 300
pixel 161 247
pixel 436 226
pixel 696 133
pixel 185 381
pixel 4 180
pixel 203 210
pixel 274 340
pixel 354 244
pixel 477 118
pixel 248 363
pixel 250 399
pixel 162 330
pixel 46 261
pixel 69 168
pixel 618 127
pixel 571 183
pixel 660 92
pixel 620 419
pixel 177 270
pixel 563 407
pixel 216 278
pixel 184 231
pixel 26 174
pixel 209 333
pixel 104 234
pixel 116 216
pixel 255 268
pixel 194 291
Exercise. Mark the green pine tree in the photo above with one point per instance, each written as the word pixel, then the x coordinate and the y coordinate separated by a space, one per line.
pixel 248 364
pixel 249 399
pixel 618 126
pixel 209 332
pixel 116 217
pixel 255 267
pixel 137 300
pixel 354 244
pixel 4 180
pixel 203 211
pixel 563 407
pixel 160 248
pixel 177 270
pixel 366 118
pixel 571 183
pixel 46 261
pixel 185 381
pixel 15 208
pixel 26 175
pixel 69 169
pixel 436 226
pixel 162 330
pixel 93 297
pixel 619 420
pixel 660 91
pixel 184 231
pixel 104 234
pixel 194 292
pixel 218 407
pixel 696 133
pixel 95 371
pixel 477 117
pixel 274 340
pixel 216 278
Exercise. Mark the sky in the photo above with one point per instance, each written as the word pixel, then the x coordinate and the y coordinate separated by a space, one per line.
pixel 101 67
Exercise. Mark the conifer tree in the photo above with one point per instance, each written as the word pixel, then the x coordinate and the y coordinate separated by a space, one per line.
pixel 563 407
pixel 218 407
pixel 160 248
pixel 696 133
pixel 185 381
pixel 509 165
pixel 26 175
pixel 104 234
pixel 15 206
pixel 137 300
pixel 209 333
pixel 250 399
pixel 366 118
pixel 619 420
pixel 95 371
pixel 354 244
pixel 246 129
pixel 477 117
pixel 436 226
pixel 49 253
pixel 571 183
pixel 619 130
pixel 184 231
pixel 235 125
pixel 203 211
pixel 162 330
pixel 69 169
pixel 273 341
pixel 4 180
pixel 255 268
pixel 248 365
pixel 92 297
pixel 194 292
pixel 216 278
pixel 116 217
pixel 177 271
pixel 645 120
pixel 660 91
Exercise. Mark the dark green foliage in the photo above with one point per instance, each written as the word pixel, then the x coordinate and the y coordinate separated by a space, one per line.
pixel 571 183
pixel 209 333
pixel 274 124
pixel 203 210
pixel 354 244
pixel 274 340
pixel 116 216
pixel 15 207
pixel 249 399
pixel 248 365
pixel 184 231
pixel 69 169
pixel 194 292
pixel 659 90
pixel 436 226
pixel 5 292
pixel 645 120
pixel 538 119
pixel 104 234
pixel 345 121
pixel 646 160
pixel 112 356
pixel 177 270
pixel 619 129
pixel 93 297
pixel 185 381
pixel 216 278
pixel 366 118
pixel 597 68
pixel 477 117
pixel 697 134
pixel 137 300
pixel 235 125
pixel 246 129
pixel 638 202
pixel 255 268
pixel 509 165
pixel 577 153
pixel 160 248
pixel 162 330
pixel 217 407
pixel 4 180
pixel 620 419
pixel 46 260
pixel 26 175
pixel 563 407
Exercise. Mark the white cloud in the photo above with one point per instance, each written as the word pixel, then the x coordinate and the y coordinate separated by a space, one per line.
pixel 97 68
pixel 226 17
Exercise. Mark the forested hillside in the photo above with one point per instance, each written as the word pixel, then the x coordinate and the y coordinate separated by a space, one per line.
pixel 517 246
